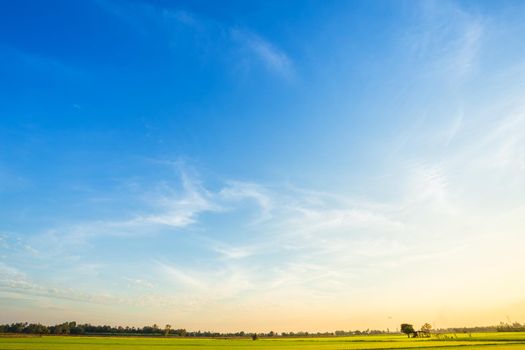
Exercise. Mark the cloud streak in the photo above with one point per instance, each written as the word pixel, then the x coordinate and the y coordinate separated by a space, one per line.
pixel 446 41
pixel 250 49
pixel 268 54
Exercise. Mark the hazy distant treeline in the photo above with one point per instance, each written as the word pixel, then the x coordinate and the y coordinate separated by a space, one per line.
pixel 481 329
pixel 79 329
pixel 514 327
pixel 88 329
pixel 502 327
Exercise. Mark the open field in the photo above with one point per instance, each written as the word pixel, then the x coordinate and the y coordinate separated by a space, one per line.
pixel 485 341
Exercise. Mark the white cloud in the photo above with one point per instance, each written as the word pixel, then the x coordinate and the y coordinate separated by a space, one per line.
pixel 178 209
pixel 249 48
pixel 234 252
pixel 236 191
pixel 181 276
pixel 446 42
pixel 15 282
pixel 455 128
pixel 271 56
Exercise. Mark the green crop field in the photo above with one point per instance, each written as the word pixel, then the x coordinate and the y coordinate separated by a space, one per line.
pixel 486 341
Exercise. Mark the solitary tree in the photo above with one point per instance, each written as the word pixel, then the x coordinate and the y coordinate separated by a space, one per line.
pixel 167 330
pixel 407 329
pixel 426 329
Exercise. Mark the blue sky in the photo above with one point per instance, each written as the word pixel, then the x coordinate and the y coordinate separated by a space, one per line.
pixel 262 165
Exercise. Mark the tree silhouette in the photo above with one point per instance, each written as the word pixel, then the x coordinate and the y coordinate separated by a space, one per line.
pixel 407 329
pixel 426 329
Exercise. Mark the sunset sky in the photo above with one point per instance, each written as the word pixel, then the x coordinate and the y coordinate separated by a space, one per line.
pixel 262 165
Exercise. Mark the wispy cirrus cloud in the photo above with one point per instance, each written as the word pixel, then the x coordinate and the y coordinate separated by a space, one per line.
pixel 13 281
pixel 234 252
pixel 273 58
pixel 447 40
pixel 249 49
pixel 174 208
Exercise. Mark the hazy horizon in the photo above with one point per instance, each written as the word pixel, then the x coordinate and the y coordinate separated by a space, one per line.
pixel 263 165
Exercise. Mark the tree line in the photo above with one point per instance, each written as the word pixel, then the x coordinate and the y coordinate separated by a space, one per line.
pixel 511 327
pixel 426 329
pixel 502 327
pixel 74 328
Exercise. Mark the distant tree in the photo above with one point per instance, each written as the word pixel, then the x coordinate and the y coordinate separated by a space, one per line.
pixel 181 332
pixel 426 328
pixel 254 336
pixel 407 329
pixel 167 330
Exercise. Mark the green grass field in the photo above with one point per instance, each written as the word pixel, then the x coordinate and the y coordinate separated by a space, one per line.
pixel 486 341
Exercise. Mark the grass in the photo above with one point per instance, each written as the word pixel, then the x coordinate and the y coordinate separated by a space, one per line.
pixel 479 341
